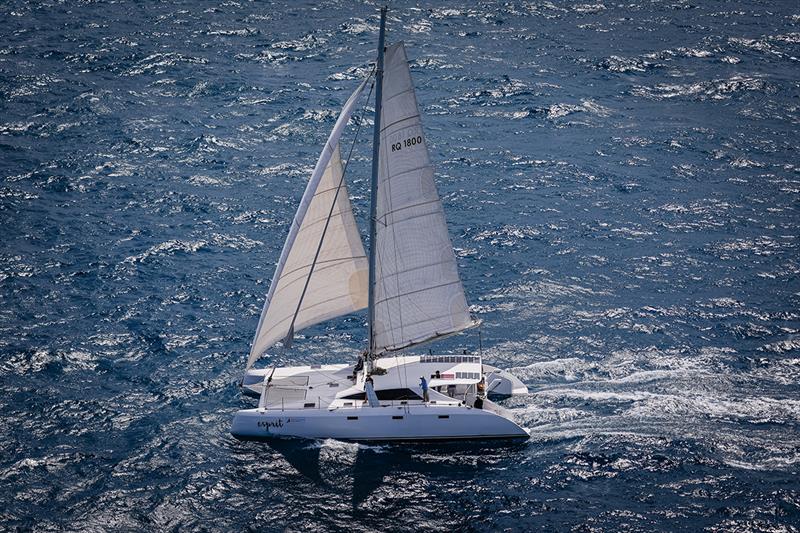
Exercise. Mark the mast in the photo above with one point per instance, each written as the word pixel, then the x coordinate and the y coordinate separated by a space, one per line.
pixel 373 211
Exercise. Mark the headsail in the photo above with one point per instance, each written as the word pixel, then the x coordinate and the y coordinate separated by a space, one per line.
pixel 418 292
pixel 338 284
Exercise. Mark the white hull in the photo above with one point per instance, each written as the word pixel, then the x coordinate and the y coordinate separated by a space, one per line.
pixel 329 401
pixel 386 423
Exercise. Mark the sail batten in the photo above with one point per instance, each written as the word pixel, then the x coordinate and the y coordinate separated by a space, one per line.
pixel 322 271
pixel 418 292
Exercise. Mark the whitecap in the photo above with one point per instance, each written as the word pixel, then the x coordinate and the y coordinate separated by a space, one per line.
pixel 166 248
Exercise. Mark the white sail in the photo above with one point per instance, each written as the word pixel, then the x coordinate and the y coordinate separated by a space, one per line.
pixel 418 292
pixel 338 284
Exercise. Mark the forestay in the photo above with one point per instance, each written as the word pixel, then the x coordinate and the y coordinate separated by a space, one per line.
pixel 418 292
pixel 338 284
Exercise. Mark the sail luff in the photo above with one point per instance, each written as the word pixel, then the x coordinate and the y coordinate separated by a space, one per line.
pixel 330 150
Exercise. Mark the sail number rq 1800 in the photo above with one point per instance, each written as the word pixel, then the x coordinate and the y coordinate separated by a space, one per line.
pixel 411 141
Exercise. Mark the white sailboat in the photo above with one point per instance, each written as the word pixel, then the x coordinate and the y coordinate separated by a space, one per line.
pixel 409 283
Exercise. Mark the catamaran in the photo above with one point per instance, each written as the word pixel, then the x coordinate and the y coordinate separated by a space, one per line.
pixel 409 284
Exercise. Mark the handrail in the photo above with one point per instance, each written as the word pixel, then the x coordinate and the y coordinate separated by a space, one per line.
pixel 363 404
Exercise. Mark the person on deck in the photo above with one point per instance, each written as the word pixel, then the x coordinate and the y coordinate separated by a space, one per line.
pixel 359 366
pixel 423 384
pixel 481 394
pixel 482 387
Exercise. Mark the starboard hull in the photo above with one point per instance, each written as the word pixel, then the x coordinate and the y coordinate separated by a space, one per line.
pixel 406 423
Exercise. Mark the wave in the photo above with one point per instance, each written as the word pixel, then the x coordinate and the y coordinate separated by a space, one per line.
pixel 719 89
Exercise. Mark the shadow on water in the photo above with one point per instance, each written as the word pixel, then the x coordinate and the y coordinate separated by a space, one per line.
pixel 447 460
pixel 369 469
pixel 372 464
pixel 305 459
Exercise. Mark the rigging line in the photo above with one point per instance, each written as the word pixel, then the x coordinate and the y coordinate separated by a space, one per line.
pixel 332 377
pixel 397 287
pixel 402 378
pixel 396 354
pixel 382 280
pixel 393 229
pixel 405 371
pixel 391 330
pixel 379 280
pixel 290 333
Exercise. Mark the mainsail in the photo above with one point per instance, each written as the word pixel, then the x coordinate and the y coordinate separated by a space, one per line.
pixel 418 292
pixel 338 278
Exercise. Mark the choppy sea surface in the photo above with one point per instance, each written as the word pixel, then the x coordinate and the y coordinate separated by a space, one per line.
pixel 622 186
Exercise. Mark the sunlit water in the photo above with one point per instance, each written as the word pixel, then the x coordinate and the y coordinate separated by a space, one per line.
pixel 621 183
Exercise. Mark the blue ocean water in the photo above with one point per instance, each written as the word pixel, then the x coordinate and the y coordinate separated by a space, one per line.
pixel 622 185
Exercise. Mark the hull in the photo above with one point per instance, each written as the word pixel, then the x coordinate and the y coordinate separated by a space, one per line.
pixel 502 384
pixel 385 423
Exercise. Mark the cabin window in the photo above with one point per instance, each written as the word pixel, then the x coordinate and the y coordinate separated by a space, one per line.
pixel 386 395
pixel 449 359
pixel 444 416
pixel 307 405
pixel 352 418
pixel 397 417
